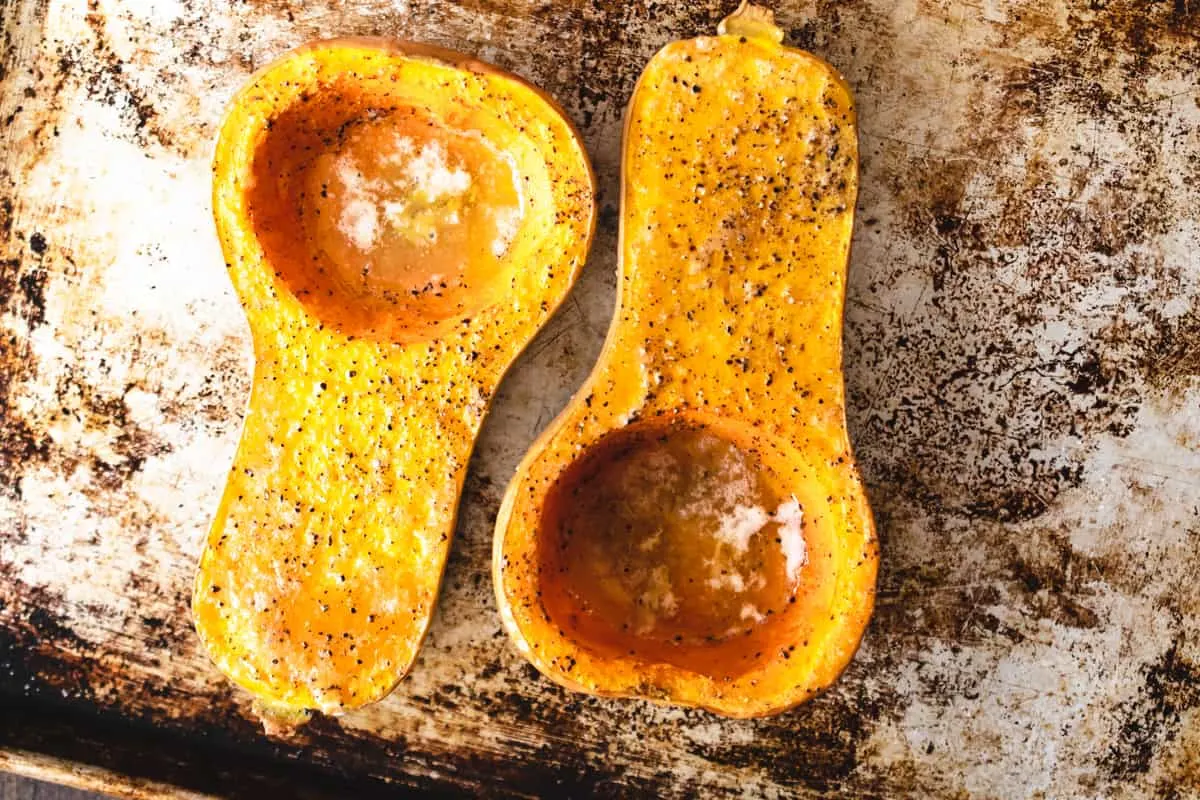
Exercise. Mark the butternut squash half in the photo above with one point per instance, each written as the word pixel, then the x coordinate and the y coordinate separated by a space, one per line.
pixel 692 529
pixel 398 221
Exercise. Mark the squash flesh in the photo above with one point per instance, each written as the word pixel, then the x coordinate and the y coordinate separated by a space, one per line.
pixel 407 207
pixel 641 541
pixel 649 567
pixel 740 175
pixel 323 563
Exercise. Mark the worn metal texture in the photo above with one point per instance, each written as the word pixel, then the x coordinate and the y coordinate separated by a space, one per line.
pixel 1023 367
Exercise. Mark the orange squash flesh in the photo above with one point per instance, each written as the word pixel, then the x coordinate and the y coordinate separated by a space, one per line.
pixel 692 529
pixel 398 221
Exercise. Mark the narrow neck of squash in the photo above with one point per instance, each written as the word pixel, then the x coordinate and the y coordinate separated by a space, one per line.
pixel 724 342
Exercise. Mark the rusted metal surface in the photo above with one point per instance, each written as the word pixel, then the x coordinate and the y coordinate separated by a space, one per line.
pixel 1023 365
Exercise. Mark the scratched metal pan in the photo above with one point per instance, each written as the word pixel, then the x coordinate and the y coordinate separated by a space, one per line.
pixel 1023 364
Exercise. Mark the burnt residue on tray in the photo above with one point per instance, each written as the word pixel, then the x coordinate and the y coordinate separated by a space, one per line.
pixel 108 81
pixel 993 391
pixel 1171 690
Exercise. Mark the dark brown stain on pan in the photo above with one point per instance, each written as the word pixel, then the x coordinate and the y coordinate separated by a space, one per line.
pixel 976 449
pixel 26 444
pixel 22 282
pixel 22 292
pixel 108 82
pixel 1154 717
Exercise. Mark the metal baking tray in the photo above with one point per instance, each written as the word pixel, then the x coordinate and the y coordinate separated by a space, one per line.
pixel 1022 358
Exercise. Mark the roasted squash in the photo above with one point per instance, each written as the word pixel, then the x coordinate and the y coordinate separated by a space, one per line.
pixel 398 220
pixel 692 528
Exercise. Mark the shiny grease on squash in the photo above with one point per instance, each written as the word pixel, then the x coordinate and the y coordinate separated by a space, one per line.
pixel 692 529
pixel 398 221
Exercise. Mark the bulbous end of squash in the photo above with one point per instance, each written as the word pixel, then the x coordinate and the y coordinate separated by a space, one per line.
pixel 692 529
pixel 398 221
pixel 393 189
pixel 691 559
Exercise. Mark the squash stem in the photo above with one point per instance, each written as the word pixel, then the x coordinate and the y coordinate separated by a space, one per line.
pixel 753 22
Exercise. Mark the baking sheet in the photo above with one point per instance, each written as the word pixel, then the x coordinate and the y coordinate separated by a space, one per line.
pixel 1022 359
